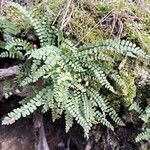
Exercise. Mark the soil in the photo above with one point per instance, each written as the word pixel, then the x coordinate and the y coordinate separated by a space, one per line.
pixel 21 136
pixel 18 136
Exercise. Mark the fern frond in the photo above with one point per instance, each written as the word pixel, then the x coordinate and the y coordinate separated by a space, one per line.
pixel 45 33
pixel 18 45
pixel 69 121
pixel 15 48
pixel 68 46
pixel 56 113
pixel 98 100
pixel 32 78
pixel 71 77
pixel 123 47
pixel 99 76
pixel 117 78
pixel 26 81
pixel 105 106
pixel 44 52
pixel 93 55
pixel 145 116
pixel 26 109
pixel 98 57
pixel 114 116
pixel 73 107
pixel 100 118
pixel 12 55
pixel 145 135
pixel 88 109
pixel 50 102
pixel 61 90
pixel 136 107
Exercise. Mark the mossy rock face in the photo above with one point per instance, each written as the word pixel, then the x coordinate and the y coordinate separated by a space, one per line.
pixel 135 23
pixel 56 4
pixel 129 91
pixel 84 24
pixel 102 10
pixel 125 94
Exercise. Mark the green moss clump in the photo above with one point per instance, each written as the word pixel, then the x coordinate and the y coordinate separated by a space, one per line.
pixel 54 5
pixel 102 10
pixel 129 92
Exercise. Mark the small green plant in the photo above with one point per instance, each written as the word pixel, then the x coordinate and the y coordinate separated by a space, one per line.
pixel 145 116
pixel 69 80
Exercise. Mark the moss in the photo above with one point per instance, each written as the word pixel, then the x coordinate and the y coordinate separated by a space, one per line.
pixel 54 5
pixel 102 10
pixel 125 94
pixel 129 92
pixel 84 26
pixel 17 20
pixel 140 37
pixel 81 26
pixel 139 30
pixel 94 36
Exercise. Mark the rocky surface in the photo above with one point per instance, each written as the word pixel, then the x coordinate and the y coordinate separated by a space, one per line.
pixel 18 136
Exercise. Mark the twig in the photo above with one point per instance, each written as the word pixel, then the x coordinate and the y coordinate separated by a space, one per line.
pixel 41 140
pixel 67 20
pixel 66 12
pixel 123 62
pixel 119 34
pixel 60 11
pixel 115 17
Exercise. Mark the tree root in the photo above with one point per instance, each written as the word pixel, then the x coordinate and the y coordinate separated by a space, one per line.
pixel 41 141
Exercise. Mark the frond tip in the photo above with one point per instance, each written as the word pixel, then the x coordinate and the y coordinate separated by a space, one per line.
pixel 145 135
pixel 26 109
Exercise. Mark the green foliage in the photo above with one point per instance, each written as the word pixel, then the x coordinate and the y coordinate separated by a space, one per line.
pixel 6 88
pixel 7 26
pixel 129 90
pixel 97 20
pixel 73 79
pixel 145 116
pixel 8 29
pixel 145 135
pixel 27 108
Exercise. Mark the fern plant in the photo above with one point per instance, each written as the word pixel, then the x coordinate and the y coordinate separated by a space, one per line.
pixel 145 116
pixel 67 79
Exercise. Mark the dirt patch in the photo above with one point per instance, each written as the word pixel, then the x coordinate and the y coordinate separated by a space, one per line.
pixel 18 136
pixel 21 136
